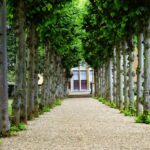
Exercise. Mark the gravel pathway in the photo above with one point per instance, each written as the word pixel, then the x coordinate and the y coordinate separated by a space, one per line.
pixel 81 124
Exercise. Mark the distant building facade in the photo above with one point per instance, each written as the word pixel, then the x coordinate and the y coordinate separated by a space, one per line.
pixel 83 75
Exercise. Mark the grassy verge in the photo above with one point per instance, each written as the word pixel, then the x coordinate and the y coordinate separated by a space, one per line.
pixel 10 106
pixel 0 142
pixel 15 129
pixel 107 102
pixel 126 112
pixel 57 102
pixel 143 119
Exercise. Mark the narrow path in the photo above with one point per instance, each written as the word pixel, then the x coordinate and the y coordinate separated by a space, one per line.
pixel 81 124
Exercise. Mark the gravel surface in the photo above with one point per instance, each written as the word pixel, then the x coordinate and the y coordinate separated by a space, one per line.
pixel 81 124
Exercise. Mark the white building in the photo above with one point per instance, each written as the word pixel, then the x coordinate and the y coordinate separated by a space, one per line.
pixel 81 79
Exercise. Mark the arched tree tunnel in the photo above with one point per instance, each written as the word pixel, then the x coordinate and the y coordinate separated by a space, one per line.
pixel 48 38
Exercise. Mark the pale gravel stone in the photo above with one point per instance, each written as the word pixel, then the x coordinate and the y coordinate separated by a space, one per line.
pixel 81 124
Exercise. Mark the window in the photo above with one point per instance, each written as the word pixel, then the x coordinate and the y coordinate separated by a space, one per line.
pixel 83 75
pixel 76 75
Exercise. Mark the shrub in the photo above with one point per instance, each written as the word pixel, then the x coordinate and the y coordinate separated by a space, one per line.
pixel 147 119
pixel 46 109
pixel 14 129
pixel 107 102
pixel 57 102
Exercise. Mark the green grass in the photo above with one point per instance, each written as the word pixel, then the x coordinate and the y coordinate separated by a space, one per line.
pixel 127 112
pixel 139 119
pixel 15 129
pixel 143 119
pixel 10 106
pixel 0 142
pixel 46 109
pixel 107 102
pixel 57 102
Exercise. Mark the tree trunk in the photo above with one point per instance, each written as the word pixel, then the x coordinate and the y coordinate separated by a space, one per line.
pixel 120 79
pixel 118 76
pixel 101 81
pixel 96 81
pixel 4 120
pixel 125 70
pixel 45 80
pixel 147 71
pixel 110 81
pixel 19 95
pixel 140 70
pixel 106 78
pixel 131 72
pixel 48 66
pixel 114 76
pixel 36 78
pixel 31 71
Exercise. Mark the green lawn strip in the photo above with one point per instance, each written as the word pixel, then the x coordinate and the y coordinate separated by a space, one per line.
pixel 15 129
pixel 57 102
pixel 107 102
pixel 126 112
pixel 141 118
pixel 0 142
pixel 10 107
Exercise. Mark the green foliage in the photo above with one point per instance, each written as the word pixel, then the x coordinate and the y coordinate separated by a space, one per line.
pixel 14 129
pixel 57 102
pixel 46 109
pixel 141 118
pixel 10 107
pixel 18 128
pixel 63 27
pixel 1 142
pixel 147 119
pixel 107 102
pixel 127 112
pixel 130 111
pixel 105 28
pixel 22 126
pixel 60 22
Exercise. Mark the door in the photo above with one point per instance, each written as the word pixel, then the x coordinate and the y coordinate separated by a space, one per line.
pixel 76 80
pixel 83 80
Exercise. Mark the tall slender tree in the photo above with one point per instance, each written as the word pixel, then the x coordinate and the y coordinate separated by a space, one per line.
pixel 4 120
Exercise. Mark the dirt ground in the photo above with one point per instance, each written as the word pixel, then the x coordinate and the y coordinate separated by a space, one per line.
pixel 81 124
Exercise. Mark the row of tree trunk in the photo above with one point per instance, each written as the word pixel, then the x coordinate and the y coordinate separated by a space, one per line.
pixel 29 97
pixel 119 81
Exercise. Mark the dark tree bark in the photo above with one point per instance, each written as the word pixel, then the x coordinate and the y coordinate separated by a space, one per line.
pixel 114 76
pixel 31 71
pixel 4 120
pixel 96 81
pixel 20 94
